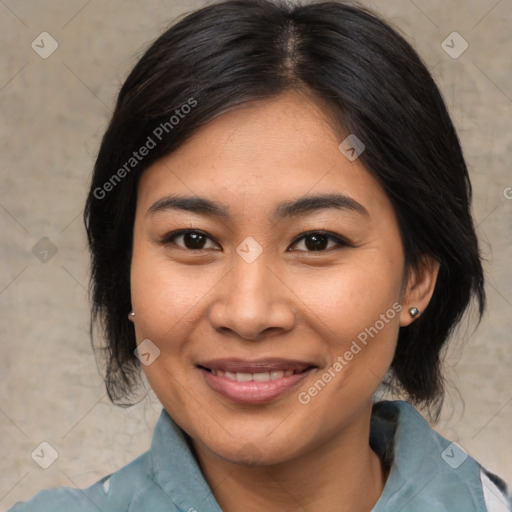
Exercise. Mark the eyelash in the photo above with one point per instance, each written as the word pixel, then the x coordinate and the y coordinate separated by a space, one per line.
pixel 341 242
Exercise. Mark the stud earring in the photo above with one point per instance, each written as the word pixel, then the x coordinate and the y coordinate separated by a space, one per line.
pixel 414 312
pixel 131 315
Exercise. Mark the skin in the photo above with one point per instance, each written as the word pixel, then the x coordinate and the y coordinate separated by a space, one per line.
pixel 291 302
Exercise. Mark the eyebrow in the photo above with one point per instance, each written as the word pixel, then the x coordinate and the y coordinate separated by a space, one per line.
pixel 292 208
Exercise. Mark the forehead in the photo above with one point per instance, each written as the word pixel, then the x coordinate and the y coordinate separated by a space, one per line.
pixel 262 153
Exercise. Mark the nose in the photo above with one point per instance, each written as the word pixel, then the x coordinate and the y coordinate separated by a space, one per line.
pixel 253 301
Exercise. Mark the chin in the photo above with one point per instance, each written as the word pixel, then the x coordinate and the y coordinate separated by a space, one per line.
pixel 250 455
pixel 247 450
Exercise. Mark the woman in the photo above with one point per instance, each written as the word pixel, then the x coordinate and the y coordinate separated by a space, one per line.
pixel 279 222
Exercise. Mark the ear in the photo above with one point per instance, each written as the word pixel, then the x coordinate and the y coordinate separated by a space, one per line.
pixel 420 288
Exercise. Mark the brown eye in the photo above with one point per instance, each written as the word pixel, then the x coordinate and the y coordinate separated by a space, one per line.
pixel 316 242
pixel 194 240
pixel 191 240
pixel 319 241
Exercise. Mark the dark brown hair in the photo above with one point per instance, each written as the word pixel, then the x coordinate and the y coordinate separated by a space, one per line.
pixel 376 85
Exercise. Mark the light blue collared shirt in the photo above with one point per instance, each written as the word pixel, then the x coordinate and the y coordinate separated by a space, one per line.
pixel 428 473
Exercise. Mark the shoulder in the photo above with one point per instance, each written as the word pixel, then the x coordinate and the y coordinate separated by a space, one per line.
pixel 495 492
pixel 63 498
pixel 117 492
pixel 427 469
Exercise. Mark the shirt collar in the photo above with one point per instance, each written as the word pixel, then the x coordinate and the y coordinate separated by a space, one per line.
pixel 428 472
pixel 423 475
pixel 177 470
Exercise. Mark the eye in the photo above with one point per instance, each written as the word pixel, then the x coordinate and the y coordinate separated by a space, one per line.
pixel 193 240
pixel 319 241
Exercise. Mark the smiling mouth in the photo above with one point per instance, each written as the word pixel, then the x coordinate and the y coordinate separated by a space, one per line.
pixel 258 377
pixel 254 382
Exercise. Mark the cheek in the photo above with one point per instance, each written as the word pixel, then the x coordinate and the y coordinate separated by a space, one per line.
pixel 167 301
pixel 165 296
pixel 360 320
pixel 352 296
pixel 358 309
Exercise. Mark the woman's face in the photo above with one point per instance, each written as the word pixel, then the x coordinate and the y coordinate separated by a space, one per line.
pixel 267 347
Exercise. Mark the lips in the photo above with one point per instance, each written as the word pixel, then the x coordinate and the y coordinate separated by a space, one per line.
pixel 258 377
pixel 256 381
pixel 250 366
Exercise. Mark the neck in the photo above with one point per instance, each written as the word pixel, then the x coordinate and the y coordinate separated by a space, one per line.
pixel 342 475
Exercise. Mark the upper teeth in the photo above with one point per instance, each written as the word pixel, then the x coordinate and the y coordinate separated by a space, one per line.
pixel 260 377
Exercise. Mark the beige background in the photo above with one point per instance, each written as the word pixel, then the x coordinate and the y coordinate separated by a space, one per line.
pixel 53 113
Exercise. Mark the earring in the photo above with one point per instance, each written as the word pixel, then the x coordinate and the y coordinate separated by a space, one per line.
pixel 414 312
pixel 131 315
